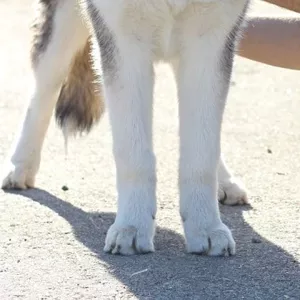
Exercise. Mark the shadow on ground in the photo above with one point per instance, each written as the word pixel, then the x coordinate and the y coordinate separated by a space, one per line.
pixel 258 271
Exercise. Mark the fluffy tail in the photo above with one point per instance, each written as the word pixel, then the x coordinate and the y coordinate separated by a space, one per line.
pixel 80 103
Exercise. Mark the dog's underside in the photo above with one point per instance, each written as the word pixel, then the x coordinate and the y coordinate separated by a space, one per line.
pixel 89 52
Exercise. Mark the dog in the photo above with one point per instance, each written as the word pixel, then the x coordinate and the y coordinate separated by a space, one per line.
pixel 90 52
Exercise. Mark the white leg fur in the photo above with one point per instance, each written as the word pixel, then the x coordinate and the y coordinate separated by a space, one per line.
pixel 129 102
pixel 202 93
pixel 231 190
pixel 68 36
pixel 197 32
pixel 134 33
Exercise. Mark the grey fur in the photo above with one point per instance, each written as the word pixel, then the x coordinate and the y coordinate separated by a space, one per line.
pixel 42 28
pixel 232 40
pixel 106 42
pixel 228 54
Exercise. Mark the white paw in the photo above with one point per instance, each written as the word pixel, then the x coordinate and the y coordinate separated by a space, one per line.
pixel 232 192
pixel 17 177
pixel 127 239
pixel 215 241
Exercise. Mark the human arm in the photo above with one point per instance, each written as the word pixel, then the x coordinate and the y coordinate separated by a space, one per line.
pixel 293 5
pixel 273 41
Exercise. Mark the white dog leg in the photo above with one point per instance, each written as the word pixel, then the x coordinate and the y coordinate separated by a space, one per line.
pixel 128 86
pixel 58 35
pixel 231 190
pixel 202 87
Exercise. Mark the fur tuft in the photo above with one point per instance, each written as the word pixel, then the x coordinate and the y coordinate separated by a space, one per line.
pixel 80 103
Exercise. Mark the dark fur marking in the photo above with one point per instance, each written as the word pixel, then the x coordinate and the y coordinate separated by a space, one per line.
pixel 42 28
pixel 106 43
pixel 231 42
pixel 228 54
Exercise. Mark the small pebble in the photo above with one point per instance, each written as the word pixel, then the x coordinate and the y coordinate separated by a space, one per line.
pixel 65 188
pixel 256 241
pixel 270 151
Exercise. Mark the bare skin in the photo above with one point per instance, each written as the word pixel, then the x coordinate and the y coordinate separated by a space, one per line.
pixel 274 41
pixel 293 5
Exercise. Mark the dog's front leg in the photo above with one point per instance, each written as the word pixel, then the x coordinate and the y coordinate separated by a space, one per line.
pixel 202 88
pixel 129 101
pixel 128 86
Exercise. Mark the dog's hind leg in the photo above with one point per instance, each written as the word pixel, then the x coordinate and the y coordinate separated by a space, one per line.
pixel 59 34
pixel 231 190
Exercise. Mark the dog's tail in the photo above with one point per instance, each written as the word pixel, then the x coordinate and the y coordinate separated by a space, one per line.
pixel 80 103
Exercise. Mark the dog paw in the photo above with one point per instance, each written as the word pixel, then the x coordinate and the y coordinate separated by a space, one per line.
pixel 17 177
pixel 217 241
pixel 232 192
pixel 129 240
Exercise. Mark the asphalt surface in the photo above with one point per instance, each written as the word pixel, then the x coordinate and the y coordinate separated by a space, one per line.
pixel 51 240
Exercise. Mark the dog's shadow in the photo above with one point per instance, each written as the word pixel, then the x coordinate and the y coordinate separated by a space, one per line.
pixel 260 270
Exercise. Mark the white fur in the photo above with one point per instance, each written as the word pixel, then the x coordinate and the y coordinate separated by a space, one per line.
pixel 129 102
pixel 201 100
pixel 191 35
pixel 231 190
pixel 21 169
